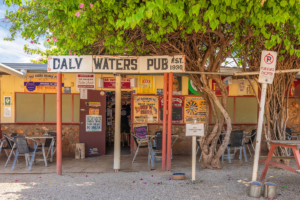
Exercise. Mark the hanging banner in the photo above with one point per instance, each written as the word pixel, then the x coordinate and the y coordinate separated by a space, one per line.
pixel 146 84
pixel 194 107
pixel 267 66
pixel 110 82
pixel 145 109
pixel 85 81
pixel 117 64
pixel 177 108
pixel 177 90
pixel 41 83
pixel 93 123
pixel 70 63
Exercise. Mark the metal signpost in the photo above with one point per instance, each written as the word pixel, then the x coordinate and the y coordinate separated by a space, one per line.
pixel 266 76
pixel 194 130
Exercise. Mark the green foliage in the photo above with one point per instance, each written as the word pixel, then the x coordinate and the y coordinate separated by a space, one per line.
pixel 108 21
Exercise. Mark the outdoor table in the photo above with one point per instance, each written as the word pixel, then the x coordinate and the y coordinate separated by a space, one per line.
pixel 293 144
pixel 39 137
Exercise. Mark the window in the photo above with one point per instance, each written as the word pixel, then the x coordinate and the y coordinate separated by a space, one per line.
pixel 41 108
pixel 242 110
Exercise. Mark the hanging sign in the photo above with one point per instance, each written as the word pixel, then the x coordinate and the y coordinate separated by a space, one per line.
pixel 41 83
pixel 146 84
pixel 194 106
pixel 70 63
pixel 85 81
pixel 267 67
pixel 117 64
pixel 110 82
pixel 177 85
pixel 177 108
pixel 145 109
pixel 93 123
pixel 194 129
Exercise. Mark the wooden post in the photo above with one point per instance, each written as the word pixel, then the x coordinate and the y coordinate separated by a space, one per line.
pixel 259 130
pixel 117 139
pixel 194 149
pixel 58 124
pixel 164 136
pixel 169 136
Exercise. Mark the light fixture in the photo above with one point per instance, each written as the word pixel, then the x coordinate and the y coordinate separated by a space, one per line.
pixel 133 82
pixel 99 82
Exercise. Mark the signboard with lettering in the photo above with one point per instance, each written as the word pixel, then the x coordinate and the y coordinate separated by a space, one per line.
pixel 194 130
pixel 146 84
pixel 110 82
pixel 85 81
pixel 117 64
pixel 70 63
pixel 267 66
pixel 94 151
pixel 177 109
pixel 141 130
pixel 41 83
pixel 145 109
pixel 93 111
pixel 194 107
pixel 93 123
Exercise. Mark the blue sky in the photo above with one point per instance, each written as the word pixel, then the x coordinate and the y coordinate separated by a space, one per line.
pixel 12 51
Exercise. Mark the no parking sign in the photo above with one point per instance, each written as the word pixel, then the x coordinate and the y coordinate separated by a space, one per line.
pixel 267 67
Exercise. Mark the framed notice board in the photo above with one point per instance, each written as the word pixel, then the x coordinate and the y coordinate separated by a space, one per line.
pixel 177 109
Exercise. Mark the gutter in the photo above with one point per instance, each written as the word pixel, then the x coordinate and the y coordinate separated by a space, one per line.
pixel 20 74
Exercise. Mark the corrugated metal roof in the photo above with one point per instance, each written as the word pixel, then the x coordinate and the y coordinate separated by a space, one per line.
pixel 28 66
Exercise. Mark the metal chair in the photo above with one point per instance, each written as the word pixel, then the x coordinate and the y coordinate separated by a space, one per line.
pixel 24 149
pixel 237 141
pixel 49 145
pixel 220 140
pixel 289 136
pixel 251 140
pixel 157 147
pixel 10 146
pixel 138 141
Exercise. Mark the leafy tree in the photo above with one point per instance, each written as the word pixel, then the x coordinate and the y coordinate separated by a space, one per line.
pixel 205 31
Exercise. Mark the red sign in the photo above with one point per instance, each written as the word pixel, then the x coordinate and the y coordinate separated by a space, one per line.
pixel 177 108
pixel 110 82
pixel 269 59
pixel 215 87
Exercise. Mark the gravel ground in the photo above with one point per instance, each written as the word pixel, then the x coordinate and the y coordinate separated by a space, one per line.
pixel 228 183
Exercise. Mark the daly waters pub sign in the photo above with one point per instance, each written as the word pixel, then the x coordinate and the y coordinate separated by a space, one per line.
pixel 117 64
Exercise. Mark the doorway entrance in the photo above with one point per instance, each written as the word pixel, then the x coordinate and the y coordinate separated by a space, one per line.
pixel 125 122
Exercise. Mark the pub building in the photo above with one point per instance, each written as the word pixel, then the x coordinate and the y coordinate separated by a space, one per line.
pixel 93 106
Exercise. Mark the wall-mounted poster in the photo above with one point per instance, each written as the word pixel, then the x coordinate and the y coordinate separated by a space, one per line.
pixel 85 81
pixel 146 84
pixel 110 82
pixel 93 111
pixel 41 83
pixel 194 106
pixel 145 109
pixel 177 90
pixel 93 123
pixel 215 87
pixel 177 109
pixel 7 100
pixel 192 88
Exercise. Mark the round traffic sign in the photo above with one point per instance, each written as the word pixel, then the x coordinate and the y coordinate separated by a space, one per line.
pixel 269 59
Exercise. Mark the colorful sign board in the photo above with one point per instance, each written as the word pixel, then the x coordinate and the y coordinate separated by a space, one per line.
pixel 117 64
pixel 93 111
pixel 145 109
pixel 110 82
pixel 215 87
pixel 141 130
pixel 192 87
pixel 93 123
pixel 194 107
pixel 146 84
pixel 85 81
pixel 93 104
pixel 41 83
pixel 177 108
pixel 267 66
pixel 94 151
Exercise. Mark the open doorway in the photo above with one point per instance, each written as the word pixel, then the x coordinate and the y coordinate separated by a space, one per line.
pixel 125 122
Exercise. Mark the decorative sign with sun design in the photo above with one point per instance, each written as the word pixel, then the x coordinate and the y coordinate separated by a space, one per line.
pixel 194 107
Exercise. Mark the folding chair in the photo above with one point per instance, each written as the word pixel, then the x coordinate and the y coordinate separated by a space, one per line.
pixel 49 145
pixel 10 146
pixel 24 149
pixel 251 140
pixel 140 143
pixel 237 141
pixel 289 136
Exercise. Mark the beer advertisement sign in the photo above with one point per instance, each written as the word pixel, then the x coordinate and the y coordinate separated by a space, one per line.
pixel 146 84
pixel 145 109
pixel 41 83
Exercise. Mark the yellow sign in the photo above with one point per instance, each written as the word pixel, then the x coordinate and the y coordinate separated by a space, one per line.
pixel 93 111
pixel 41 83
pixel 93 104
pixel 146 84
pixel 194 107
pixel 145 109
